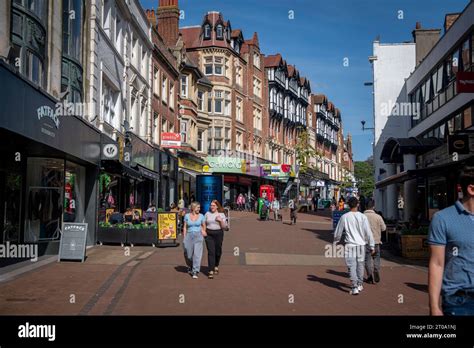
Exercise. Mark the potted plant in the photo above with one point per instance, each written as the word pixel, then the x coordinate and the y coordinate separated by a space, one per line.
pixel 413 242
pixel 111 234
pixel 142 233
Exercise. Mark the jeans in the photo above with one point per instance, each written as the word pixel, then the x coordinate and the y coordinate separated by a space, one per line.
pixel 372 262
pixel 193 246
pixel 355 255
pixel 275 214
pixel 458 304
pixel 214 241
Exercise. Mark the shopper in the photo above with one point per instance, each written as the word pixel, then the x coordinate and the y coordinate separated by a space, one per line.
pixel 276 209
pixel 451 266
pixel 357 234
pixel 377 225
pixel 341 203
pixel 194 232
pixel 215 222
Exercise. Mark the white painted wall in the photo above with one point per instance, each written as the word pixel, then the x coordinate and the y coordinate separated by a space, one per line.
pixel 393 64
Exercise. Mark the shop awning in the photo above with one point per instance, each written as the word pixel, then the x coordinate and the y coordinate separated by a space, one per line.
pixel 441 169
pixel 148 173
pixel 116 167
pixel 394 148
pixel 189 172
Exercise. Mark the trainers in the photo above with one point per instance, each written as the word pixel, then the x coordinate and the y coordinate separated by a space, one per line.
pixel 195 275
pixel 216 270
pixel 376 277
pixel 190 271
pixel 360 288
pixel 354 291
pixel 211 275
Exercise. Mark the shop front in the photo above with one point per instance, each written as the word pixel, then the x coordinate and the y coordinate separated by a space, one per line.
pixel 189 166
pixel 49 167
pixel 283 178
pixel 169 179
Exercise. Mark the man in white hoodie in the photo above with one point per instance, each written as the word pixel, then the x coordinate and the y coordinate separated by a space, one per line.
pixel 353 230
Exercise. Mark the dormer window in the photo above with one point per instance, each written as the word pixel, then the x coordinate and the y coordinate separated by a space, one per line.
pixel 219 32
pixel 207 32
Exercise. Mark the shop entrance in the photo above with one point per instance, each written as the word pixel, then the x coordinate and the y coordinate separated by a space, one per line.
pixel 10 207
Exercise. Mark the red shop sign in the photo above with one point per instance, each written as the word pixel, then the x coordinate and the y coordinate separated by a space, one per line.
pixel 465 82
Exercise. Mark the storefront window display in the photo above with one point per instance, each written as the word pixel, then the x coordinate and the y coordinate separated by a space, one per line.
pixel 44 199
pixel 437 195
pixel 74 194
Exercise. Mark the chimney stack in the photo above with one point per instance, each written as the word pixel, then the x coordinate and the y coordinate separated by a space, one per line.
pixel 168 21
pixel 425 40
pixel 449 20
pixel 151 17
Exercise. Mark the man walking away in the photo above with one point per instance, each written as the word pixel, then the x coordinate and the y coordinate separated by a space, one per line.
pixel 292 206
pixel 451 267
pixel 357 232
pixel 377 225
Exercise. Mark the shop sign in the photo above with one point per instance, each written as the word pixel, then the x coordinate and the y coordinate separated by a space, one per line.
pixel 320 183
pixel 458 143
pixel 167 226
pixel 110 151
pixel 277 171
pixel 227 165
pixel 465 82
pixel 171 140
pixel 190 164
pixel 48 112
pixel 73 241
pixel 208 188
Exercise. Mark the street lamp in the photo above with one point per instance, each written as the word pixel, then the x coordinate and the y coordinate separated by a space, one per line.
pixel 364 128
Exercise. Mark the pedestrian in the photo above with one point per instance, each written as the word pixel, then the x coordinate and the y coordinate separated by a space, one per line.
pixel 309 201
pixel 315 202
pixel 357 234
pixel 377 225
pixel 293 214
pixel 341 203
pixel 194 232
pixel 239 201
pixel 276 208
pixel 216 223
pixel 451 266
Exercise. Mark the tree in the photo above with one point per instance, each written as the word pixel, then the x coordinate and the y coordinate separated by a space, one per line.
pixel 364 173
pixel 304 151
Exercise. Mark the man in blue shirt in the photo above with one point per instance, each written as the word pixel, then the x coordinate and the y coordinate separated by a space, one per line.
pixel 451 268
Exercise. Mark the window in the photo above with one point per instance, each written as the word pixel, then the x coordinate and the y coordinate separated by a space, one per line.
pixel 257 119
pixel 257 87
pixel 164 91
pixel 34 68
pixel 465 56
pixel 200 100
pixel 209 102
pixel 184 131
pixel 218 101
pixel 227 133
pixel 156 82
pixel 227 106
pixel 238 141
pixel 184 86
pixel 219 32
pixel 207 32
pixel 108 102
pixel 200 147
pixel 171 99
pixel 164 125
pixel 208 70
pixel 118 34
pixel 218 144
pixel 218 66
pixel 256 60
pixel 107 20
pixel 218 132
pixel 238 109
pixel 238 75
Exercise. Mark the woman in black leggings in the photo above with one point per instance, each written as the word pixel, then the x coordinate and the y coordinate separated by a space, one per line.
pixel 215 224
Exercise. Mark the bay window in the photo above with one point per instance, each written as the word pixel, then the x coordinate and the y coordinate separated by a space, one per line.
pixel 184 86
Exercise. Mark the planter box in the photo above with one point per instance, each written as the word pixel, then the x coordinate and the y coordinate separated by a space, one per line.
pixel 415 246
pixel 144 236
pixel 111 235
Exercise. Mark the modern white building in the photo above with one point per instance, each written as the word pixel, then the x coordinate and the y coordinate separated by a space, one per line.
pixel 440 139
pixel 392 63
pixel 119 74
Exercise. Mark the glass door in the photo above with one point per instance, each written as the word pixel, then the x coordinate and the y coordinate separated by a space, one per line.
pixel 10 187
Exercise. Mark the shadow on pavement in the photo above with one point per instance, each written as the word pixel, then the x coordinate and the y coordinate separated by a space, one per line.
pixel 325 235
pixel 340 274
pixel 329 282
pixel 182 269
pixel 419 287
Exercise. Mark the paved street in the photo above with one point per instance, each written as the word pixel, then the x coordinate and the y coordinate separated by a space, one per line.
pixel 278 270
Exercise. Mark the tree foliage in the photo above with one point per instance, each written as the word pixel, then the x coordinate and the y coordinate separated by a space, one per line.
pixel 304 151
pixel 364 173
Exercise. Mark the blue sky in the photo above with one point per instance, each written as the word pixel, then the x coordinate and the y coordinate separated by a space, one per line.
pixel 324 33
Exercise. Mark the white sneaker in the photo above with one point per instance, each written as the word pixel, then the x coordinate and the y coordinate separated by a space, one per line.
pixel 360 288
pixel 195 276
pixel 354 291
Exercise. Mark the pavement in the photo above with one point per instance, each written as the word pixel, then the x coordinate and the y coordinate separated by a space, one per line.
pixel 267 268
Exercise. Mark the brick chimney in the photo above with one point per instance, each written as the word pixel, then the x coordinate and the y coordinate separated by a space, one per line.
pixel 449 20
pixel 151 17
pixel 168 21
pixel 425 40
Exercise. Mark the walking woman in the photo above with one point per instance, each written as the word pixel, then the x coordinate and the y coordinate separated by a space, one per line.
pixel 194 232
pixel 215 221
